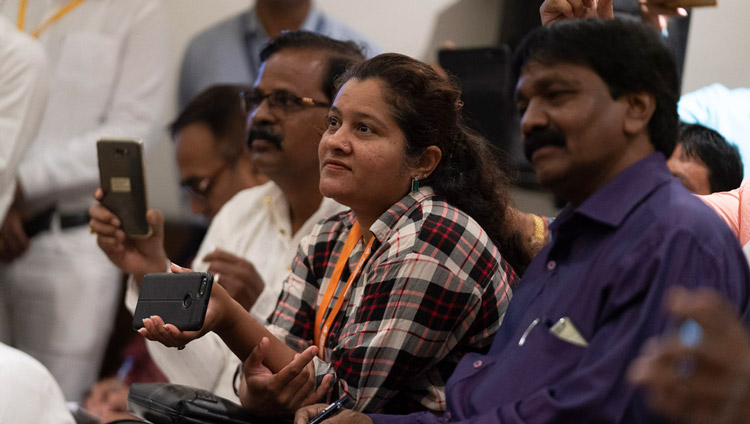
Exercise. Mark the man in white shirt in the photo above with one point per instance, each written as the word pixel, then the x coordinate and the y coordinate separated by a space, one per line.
pixel 264 224
pixel 23 91
pixel 28 393
pixel 107 79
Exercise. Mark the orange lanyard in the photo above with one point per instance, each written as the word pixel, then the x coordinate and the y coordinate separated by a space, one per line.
pixel 69 6
pixel 321 332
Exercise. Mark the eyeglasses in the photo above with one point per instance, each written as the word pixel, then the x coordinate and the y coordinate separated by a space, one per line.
pixel 200 188
pixel 279 99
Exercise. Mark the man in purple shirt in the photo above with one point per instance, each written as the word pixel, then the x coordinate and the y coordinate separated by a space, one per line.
pixel 598 101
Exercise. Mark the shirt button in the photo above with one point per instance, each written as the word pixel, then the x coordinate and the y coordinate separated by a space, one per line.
pixel 551 265
pixel 447 416
pixel 478 363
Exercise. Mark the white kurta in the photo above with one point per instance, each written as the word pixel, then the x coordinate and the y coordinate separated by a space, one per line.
pixel 28 393
pixel 256 226
pixel 23 92
pixel 108 78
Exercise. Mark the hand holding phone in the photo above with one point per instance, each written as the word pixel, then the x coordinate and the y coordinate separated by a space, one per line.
pixel 179 299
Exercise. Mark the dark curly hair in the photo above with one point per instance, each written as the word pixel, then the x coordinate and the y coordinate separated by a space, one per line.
pixel 426 108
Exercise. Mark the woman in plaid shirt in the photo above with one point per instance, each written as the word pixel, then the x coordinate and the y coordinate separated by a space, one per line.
pixel 384 299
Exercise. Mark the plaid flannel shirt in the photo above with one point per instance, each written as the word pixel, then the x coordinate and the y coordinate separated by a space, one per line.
pixel 434 288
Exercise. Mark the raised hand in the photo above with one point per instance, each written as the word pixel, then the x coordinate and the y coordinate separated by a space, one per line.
pixel 238 276
pixel 279 395
pixel 558 10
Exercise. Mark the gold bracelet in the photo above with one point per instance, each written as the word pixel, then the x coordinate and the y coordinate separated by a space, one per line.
pixel 539 230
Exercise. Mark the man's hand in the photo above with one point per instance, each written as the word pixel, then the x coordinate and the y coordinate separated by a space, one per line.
pixel 558 10
pixel 132 256
pixel 279 395
pixel 13 239
pixel 344 416
pixel 238 276
pixel 703 378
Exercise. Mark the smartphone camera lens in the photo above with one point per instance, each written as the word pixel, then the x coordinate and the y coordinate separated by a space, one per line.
pixel 202 289
pixel 187 301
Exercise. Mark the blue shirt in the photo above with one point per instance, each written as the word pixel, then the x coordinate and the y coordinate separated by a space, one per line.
pixel 229 52
pixel 606 270
pixel 723 110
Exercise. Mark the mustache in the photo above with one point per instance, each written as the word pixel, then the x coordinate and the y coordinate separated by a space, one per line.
pixel 540 137
pixel 264 132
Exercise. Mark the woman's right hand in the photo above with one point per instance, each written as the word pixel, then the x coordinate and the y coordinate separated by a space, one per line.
pixel 169 335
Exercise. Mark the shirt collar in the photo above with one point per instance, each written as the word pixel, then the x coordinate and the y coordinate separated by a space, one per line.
pixel 613 202
pixel 385 225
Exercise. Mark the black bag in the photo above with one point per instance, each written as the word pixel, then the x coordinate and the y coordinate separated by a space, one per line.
pixel 164 403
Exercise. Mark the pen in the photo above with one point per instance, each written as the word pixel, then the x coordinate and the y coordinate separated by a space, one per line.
pixel 328 411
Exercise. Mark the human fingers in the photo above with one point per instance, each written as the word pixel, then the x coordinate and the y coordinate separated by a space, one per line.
pixel 155 329
pixel 704 305
pixel 155 219
pixel 605 9
pixel 99 212
pixel 14 236
pixel 179 269
pixel 555 10
pixel 295 367
pixel 255 359
pixel 306 413
pixel 219 254
pixel 320 392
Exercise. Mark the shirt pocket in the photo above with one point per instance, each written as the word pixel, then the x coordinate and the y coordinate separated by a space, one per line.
pixel 83 80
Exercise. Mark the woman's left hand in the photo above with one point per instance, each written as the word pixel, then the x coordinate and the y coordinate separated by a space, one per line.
pixel 273 395
pixel 169 335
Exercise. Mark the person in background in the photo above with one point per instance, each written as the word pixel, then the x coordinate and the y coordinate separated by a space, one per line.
pixel 23 92
pixel 28 393
pixel 704 161
pixel 107 79
pixel 598 137
pixel 211 149
pixel 263 225
pixel 229 52
pixel 722 109
pixel 417 264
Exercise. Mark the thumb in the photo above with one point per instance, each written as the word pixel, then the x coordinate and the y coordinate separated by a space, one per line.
pixel 155 219
pixel 256 356
pixel 605 10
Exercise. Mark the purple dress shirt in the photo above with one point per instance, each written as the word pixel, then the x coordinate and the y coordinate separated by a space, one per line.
pixel 607 269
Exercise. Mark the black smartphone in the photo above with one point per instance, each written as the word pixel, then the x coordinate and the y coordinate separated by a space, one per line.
pixel 179 299
pixel 122 177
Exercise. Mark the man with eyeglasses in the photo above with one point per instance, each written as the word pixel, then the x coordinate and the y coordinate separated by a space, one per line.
pixel 286 110
pixel 211 151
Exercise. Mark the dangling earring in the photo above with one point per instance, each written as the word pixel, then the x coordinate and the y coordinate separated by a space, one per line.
pixel 415 184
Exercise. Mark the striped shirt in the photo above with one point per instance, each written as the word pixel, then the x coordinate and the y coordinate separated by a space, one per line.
pixel 433 289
